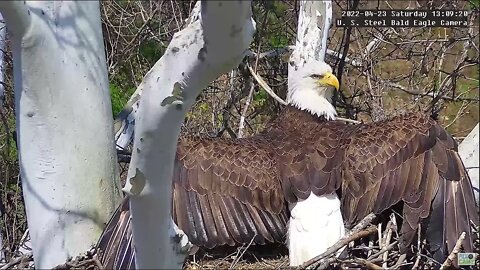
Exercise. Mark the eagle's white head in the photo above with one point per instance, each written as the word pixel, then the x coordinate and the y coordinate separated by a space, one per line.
pixel 311 88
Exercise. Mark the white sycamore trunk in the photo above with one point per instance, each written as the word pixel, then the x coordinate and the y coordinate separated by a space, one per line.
pixel 469 152
pixel 314 20
pixel 213 43
pixel 65 133
pixel 315 223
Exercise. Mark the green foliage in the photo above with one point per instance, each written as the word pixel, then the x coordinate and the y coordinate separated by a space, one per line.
pixel 464 85
pixel 151 51
pixel 474 4
pixel 119 98
pixel 272 33
pixel 278 41
pixel 204 107
pixel 260 98
pixel 8 147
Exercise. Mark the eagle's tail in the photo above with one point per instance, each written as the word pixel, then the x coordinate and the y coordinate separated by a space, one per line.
pixel 453 212
pixel 315 224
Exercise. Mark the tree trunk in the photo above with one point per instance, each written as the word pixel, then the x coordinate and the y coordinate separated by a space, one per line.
pixel 314 21
pixel 469 152
pixel 211 45
pixel 65 133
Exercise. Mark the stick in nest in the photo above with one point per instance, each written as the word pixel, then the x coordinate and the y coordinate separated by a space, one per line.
pixel 238 257
pixel 366 263
pixel 18 260
pixel 85 263
pixel 356 233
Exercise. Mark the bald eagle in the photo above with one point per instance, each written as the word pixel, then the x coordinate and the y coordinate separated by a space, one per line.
pixel 282 184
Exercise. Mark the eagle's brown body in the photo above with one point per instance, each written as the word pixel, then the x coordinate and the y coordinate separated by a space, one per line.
pixel 228 191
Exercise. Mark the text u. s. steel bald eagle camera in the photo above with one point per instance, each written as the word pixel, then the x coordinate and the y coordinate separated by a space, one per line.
pixel 307 178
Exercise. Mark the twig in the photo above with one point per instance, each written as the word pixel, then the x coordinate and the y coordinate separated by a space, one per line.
pixel 370 247
pixel 15 261
pixel 400 261
pixel 326 263
pixel 348 120
pixel 237 258
pixel 367 264
pixel 424 94
pixel 382 251
pixel 288 49
pixel 86 262
pixel 419 247
pixel 379 232
pixel 363 223
pixel 316 261
pixel 356 233
pixel 459 114
pixel 241 124
pixel 387 242
pixel 269 90
pixel 252 86
pixel 265 86
pixel 451 257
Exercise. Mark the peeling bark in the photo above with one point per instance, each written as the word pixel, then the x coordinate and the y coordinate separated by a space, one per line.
pixel 314 20
pixel 469 152
pixel 213 43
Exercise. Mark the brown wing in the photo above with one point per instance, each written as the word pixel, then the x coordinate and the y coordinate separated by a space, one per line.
pixel 224 192
pixel 115 247
pixel 227 192
pixel 410 159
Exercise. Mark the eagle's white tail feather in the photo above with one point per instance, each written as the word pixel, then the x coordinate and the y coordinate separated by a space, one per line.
pixel 315 224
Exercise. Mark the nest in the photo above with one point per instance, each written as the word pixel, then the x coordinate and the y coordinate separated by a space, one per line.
pixel 367 247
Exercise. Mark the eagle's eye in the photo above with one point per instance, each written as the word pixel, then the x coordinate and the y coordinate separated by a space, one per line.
pixel 316 76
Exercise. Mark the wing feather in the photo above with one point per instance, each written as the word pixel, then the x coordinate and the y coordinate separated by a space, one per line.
pixel 237 188
pixel 240 181
pixel 114 246
pixel 417 164
pixel 211 229
pixel 197 226
pixel 221 227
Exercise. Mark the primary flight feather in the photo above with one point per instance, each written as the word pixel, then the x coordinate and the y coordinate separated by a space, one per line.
pixel 283 182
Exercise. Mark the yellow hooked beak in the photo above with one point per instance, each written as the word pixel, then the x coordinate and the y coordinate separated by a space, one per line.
pixel 329 80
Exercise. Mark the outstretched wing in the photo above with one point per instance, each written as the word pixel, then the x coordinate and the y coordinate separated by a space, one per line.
pixel 409 158
pixel 227 192
pixel 224 192
pixel 115 247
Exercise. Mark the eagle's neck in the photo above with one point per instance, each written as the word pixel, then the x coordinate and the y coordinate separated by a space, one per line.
pixel 313 101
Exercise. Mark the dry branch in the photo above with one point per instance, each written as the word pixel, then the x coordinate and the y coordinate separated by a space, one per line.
pixel 18 260
pixel 265 86
pixel 451 257
pixel 356 233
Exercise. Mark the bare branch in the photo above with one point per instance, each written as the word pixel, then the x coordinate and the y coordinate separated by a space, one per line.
pixel 356 233
pixel 265 86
